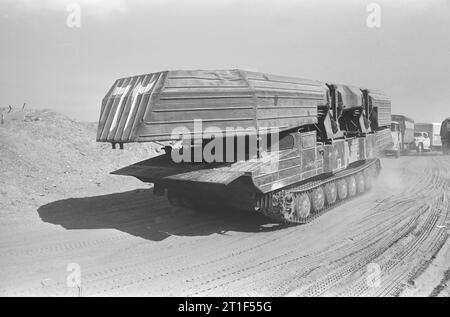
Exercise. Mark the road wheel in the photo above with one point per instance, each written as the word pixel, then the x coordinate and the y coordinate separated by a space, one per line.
pixel 351 183
pixel 302 206
pixel 342 189
pixel 318 199
pixel 331 193
pixel 360 183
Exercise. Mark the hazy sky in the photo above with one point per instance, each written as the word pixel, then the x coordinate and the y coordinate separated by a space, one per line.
pixel 50 65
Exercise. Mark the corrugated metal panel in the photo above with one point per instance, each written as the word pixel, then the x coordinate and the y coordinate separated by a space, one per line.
pixel 383 139
pixel 125 106
pixel 285 102
pixel 383 105
pixel 149 107
pixel 220 99
pixel 351 96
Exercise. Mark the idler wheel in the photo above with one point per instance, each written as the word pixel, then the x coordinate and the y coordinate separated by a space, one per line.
pixel 288 199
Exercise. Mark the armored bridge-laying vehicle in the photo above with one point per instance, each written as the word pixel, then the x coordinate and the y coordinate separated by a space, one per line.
pixel 286 147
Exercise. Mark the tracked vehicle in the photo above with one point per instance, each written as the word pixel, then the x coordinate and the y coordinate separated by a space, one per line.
pixel 285 147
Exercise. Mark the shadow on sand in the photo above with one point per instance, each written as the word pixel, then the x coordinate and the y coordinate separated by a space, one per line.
pixel 141 214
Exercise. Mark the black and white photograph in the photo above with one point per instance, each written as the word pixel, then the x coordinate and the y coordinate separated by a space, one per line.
pixel 224 153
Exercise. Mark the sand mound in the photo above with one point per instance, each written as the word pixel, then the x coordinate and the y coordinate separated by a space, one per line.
pixel 46 155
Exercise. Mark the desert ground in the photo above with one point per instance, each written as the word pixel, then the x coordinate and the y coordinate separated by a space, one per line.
pixel 59 206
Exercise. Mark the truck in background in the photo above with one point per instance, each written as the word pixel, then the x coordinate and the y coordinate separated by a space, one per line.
pixel 405 127
pixel 422 141
pixel 394 147
pixel 427 136
pixel 445 136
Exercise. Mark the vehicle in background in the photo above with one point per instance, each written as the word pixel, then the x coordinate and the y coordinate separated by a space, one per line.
pixel 406 129
pixel 445 136
pixel 422 141
pixel 395 148
pixel 433 131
